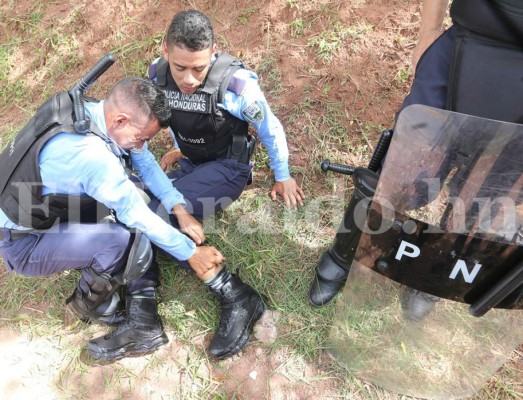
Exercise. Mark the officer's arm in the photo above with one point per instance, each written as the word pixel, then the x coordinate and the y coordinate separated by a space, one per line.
pixel 154 178
pixel 250 105
pixel 172 156
pixel 107 182
pixel 431 26
pixel 159 184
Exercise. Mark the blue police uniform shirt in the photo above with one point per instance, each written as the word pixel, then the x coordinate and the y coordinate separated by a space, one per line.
pixel 86 165
pixel 245 100
pixel 250 105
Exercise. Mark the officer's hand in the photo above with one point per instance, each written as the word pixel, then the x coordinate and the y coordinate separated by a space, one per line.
pixel 290 191
pixel 170 158
pixel 189 225
pixel 204 259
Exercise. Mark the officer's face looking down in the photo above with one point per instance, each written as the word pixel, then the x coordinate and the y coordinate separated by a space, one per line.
pixel 188 68
pixel 128 126
pixel 134 112
pixel 129 132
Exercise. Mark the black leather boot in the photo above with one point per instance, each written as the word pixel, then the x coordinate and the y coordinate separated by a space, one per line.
pixel 240 307
pixel 101 301
pixel 141 333
pixel 334 265
pixel 329 280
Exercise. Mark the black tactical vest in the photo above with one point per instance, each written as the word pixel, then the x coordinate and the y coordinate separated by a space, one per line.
pixel 203 131
pixel 500 20
pixel 20 181
pixel 486 75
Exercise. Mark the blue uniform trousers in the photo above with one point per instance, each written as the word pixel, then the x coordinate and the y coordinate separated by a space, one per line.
pixel 431 78
pixel 210 187
pixel 74 245
pixel 66 246
pixel 207 188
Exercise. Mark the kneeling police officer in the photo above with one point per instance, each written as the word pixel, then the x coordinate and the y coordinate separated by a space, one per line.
pixel 214 100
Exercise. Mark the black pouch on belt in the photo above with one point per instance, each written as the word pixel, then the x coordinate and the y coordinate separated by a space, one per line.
pixel 241 148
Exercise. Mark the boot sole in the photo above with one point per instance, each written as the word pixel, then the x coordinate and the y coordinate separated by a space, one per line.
pixel 130 350
pixel 244 337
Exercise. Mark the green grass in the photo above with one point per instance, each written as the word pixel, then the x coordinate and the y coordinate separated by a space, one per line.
pixel 53 52
pixel 403 74
pixel 136 54
pixel 11 89
pixel 270 76
pixel 296 27
pixel 243 18
pixel 328 42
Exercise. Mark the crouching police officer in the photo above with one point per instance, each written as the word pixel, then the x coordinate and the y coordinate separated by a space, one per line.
pixel 58 183
pixel 213 99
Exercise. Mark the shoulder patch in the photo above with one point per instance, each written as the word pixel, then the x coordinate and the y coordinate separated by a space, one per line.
pixel 237 85
pixel 254 112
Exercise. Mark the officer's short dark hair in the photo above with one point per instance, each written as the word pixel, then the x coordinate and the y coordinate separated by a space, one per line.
pixel 145 96
pixel 191 30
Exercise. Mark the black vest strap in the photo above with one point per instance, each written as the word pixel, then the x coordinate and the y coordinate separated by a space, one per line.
pixel 95 130
pixel 217 72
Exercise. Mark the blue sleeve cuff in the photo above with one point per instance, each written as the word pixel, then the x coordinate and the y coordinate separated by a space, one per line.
pixel 190 249
pixel 281 173
pixel 171 201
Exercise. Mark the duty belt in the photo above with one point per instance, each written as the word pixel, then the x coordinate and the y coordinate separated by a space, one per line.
pixel 13 234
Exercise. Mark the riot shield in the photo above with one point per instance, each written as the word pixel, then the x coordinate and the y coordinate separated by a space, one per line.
pixel 433 303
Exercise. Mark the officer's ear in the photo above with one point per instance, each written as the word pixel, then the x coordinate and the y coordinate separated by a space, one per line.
pixel 165 51
pixel 120 120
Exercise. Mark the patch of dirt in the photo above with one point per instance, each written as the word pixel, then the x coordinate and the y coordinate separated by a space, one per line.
pixel 361 74
pixel 260 374
pixel 37 367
